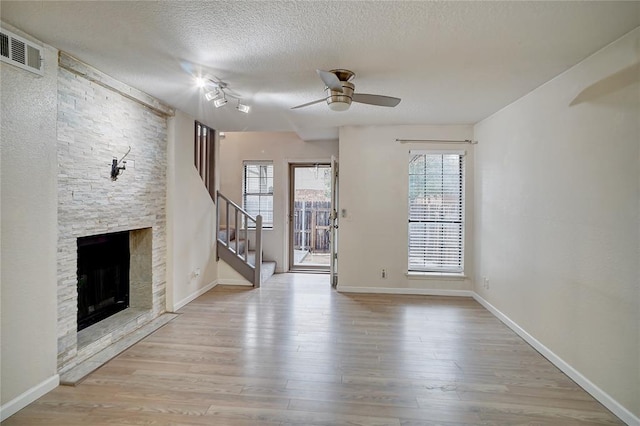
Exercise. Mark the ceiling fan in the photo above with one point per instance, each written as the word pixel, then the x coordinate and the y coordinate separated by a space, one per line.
pixel 340 92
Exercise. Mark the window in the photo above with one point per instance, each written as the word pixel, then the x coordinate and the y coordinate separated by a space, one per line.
pixel 257 191
pixel 203 156
pixel 436 211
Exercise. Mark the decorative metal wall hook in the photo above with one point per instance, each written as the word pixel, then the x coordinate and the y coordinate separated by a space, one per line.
pixel 116 168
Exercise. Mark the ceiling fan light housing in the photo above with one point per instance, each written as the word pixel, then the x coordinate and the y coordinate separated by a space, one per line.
pixel 338 105
pixel 340 101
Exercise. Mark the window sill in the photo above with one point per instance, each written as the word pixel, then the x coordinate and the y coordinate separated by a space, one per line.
pixel 413 275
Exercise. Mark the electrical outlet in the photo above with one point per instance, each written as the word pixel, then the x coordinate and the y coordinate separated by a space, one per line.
pixel 486 283
pixel 384 273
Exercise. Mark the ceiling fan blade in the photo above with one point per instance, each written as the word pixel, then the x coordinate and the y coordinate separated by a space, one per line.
pixel 330 80
pixel 379 100
pixel 309 103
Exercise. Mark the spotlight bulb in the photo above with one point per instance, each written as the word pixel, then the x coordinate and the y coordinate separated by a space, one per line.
pixel 220 102
pixel 210 95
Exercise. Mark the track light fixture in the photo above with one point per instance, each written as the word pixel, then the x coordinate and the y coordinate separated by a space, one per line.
pixel 220 101
pixel 218 91
pixel 243 108
pixel 209 96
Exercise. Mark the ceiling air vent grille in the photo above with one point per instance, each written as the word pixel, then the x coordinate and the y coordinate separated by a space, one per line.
pixel 20 52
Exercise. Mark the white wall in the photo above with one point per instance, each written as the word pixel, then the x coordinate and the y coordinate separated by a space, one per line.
pixel 282 148
pixel 557 217
pixel 191 219
pixel 374 191
pixel 29 222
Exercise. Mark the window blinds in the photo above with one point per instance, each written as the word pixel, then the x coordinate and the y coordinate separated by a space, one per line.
pixel 257 191
pixel 436 211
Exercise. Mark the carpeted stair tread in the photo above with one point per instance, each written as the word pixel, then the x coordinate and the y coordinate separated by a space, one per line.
pixel 268 266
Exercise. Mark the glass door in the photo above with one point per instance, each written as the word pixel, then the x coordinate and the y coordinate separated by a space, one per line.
pixel 333 268
pixel 310 217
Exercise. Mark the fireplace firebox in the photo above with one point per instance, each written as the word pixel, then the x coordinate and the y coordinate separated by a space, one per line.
pixel 103 277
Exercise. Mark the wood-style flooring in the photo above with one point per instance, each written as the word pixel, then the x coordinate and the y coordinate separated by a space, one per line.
pixel 296 352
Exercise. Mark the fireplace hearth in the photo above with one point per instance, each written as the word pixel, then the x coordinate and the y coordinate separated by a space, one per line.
pixel 103 277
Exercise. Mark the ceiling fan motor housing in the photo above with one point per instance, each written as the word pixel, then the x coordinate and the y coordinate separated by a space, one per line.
pixel 340 101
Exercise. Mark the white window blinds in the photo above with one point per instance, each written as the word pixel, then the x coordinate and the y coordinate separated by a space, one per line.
pixel 436 211
pixel 257 191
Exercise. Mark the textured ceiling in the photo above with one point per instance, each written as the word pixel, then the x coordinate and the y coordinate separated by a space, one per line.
pixel 450 62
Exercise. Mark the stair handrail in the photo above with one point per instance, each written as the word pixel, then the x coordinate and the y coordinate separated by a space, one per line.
pixel 241 216
pixel 220 195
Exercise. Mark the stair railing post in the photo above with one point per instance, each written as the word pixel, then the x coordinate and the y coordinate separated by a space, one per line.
pixel 217 222
pixel 246 237
pixel 226 243
pixel 258 266
pixel 237 231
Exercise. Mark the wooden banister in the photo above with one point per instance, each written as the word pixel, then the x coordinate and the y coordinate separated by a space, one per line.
pixel 235 254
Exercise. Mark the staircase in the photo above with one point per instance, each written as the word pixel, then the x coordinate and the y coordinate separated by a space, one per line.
pixel 233 244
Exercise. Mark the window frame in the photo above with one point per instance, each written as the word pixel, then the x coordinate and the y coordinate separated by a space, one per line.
pixel 266 194
pixel 204 156
pixel 446 268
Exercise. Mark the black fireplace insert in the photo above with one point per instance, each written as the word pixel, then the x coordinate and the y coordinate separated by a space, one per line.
pixel 103 277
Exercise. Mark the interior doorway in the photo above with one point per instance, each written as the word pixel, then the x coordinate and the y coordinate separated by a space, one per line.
pixel 310 217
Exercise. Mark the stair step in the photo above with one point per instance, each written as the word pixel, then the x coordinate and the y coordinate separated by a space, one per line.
pixel 222 234
pixel 237 261
pixel 241 246
pixel 267 269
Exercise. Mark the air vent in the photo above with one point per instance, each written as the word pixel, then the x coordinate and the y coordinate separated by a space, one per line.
pixel 20 52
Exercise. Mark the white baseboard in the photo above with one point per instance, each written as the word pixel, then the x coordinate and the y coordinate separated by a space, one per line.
pixel 233 281
pixel 26 398
pixel 405 290
pixel 604 398
pixel 195 295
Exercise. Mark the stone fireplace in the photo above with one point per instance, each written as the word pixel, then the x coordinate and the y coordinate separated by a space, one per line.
pixel 96 123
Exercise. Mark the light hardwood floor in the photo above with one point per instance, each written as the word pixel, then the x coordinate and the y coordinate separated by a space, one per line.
pixel 296 352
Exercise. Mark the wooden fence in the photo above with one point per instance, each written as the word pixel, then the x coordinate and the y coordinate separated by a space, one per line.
pixel 311 225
